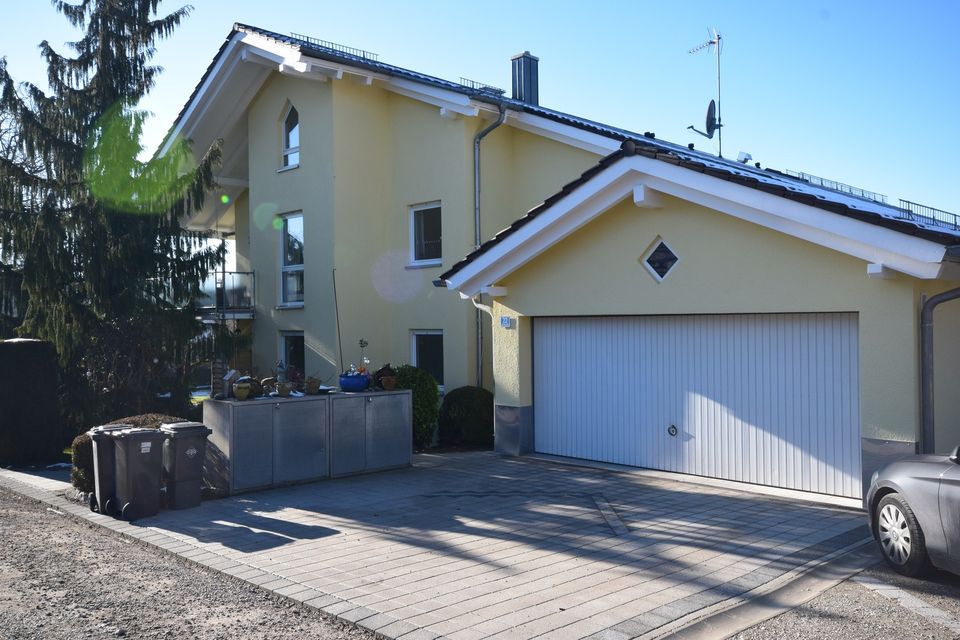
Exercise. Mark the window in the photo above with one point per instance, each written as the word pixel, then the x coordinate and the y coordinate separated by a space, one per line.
pixel 291 260
pixel 292 354
pixel 659 259
pixel 428 353
pixel 425 245
pixel 291 139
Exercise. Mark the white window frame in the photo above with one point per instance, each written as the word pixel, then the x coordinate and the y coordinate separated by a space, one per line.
pixel 432 262
pixel 282 348
pixel 413 350
pixel 285 269
pixel 649 252
pixel 286 152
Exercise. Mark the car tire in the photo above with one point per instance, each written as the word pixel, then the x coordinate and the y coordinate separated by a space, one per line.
pixel 900 536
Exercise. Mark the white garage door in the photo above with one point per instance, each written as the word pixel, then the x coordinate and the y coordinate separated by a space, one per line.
pixel 767 399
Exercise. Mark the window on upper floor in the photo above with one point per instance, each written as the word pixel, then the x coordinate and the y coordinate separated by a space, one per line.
pixel 425 236
pixel 291 260
pixel 291 139
pixel 427 352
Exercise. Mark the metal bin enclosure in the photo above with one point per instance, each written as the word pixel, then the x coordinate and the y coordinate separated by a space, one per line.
pixel 184 450
pixel 103 498
pixel 139 454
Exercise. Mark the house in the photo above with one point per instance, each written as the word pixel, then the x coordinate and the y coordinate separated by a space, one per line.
pixel 665 308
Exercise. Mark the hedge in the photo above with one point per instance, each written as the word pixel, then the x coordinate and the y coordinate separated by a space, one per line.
pixel 466 418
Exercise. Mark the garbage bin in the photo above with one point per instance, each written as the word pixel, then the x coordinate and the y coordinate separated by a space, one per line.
pixel 139 454
pixel 184 451
pixel 103 497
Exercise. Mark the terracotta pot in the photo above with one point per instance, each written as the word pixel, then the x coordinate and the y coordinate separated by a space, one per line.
pixel 389 383
pixel 311 386
pixel 241 390
pixel 284 389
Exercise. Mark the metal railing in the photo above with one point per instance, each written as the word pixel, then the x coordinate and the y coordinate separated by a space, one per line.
pixel 929 215
pixel 339 48
pixel 228 292
pixel 837 186
pixel 480 86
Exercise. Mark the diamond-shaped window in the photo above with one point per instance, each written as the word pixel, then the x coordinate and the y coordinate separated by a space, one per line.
pixel 660 260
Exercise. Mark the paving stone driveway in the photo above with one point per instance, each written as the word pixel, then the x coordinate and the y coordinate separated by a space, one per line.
pixel 480 546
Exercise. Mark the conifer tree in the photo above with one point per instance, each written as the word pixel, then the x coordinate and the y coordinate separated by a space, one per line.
pixel 92 235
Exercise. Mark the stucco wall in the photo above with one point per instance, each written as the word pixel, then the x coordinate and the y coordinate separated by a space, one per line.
pixel 367 155
pixel 726 266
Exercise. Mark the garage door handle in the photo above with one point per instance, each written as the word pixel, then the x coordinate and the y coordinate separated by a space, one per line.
pixel 672 430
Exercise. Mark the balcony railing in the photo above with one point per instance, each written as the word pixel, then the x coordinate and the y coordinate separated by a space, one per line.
pixel 228 295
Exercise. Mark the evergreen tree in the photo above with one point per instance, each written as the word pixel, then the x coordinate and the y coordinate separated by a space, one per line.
pixel 93 235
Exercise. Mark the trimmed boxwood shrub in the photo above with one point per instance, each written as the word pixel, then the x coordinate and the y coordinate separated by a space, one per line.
pixel 426 396
pixel 81 476
pixel 30 430
pixel 466 418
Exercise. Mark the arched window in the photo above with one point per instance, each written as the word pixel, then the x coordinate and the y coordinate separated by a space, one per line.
pixel 291 138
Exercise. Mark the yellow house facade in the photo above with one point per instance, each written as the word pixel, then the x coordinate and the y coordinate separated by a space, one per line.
pixel 372 153
pixel 663 308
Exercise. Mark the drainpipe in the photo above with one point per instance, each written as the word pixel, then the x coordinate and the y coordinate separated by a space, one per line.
pixel 927 441
pixel 476 226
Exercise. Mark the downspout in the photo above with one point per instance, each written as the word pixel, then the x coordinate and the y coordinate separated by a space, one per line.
pixel 927 436
pixel 476 226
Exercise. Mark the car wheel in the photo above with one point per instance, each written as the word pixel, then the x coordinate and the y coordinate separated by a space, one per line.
pixel 900 537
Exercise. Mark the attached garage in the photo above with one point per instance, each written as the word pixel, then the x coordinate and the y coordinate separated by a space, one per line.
pixel 769 399
pixel 703 317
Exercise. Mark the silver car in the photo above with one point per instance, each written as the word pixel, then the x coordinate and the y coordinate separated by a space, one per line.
pixel 914 507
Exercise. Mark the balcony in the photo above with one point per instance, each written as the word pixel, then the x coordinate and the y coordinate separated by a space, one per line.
pixel 227 295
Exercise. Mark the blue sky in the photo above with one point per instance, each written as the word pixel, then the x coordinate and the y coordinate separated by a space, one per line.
pixel 866 93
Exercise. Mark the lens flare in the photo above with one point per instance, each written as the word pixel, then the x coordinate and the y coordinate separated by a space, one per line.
pixel 264 215
pixel 225 199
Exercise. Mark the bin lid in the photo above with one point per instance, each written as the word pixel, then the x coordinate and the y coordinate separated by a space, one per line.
pixel 139 433
pixel 106 430
pixel 178 429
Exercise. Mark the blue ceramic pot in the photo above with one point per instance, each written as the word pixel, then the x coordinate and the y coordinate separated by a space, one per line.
pixel 353 383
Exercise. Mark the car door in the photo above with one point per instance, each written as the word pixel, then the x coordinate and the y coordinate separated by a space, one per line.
pixel 950 514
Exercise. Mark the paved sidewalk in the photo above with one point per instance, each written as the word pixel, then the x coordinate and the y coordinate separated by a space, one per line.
pixel 476 545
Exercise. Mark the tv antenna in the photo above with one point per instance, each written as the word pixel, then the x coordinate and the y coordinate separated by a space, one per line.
pixel 713 123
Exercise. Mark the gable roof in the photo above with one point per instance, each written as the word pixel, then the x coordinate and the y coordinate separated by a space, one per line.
pixel 596 136
pixel 772 182
pixel 877 237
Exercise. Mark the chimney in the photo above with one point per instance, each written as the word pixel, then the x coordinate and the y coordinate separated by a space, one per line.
pixel 525 78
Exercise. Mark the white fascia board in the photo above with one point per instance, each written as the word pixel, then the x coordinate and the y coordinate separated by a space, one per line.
pixel 449 100
pixel 550 227
pixel 565 133
pixel 872 243
pixel 908 254
pixel 216 76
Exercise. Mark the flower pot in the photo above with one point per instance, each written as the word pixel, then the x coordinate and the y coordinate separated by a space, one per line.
pixel 284 389
pixel 389 383
pixel 311 386
pixel 241 390
pixel 353 383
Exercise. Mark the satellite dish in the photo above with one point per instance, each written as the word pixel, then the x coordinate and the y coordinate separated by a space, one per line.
pixel 711 125
pixel 711 121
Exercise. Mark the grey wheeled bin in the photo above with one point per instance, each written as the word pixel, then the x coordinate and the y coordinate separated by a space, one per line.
pixel 139 453
pixel 103 498
pixel 184 451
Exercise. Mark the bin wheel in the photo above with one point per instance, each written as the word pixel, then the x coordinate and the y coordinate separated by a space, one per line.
pixel 108 507
pixel 93 503
pixel 126 512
